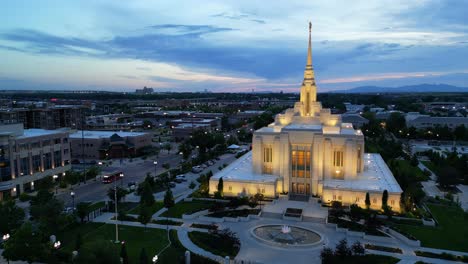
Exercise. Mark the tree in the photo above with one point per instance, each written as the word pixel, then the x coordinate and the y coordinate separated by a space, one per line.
pixel 123 253
pixel 395 122
pixel 82 211
pixel 168 199
pixel 384 199
pixel 358 249
pixel 220 186
pixel 143 257
pixel 367 201
pixel 326 255
pixel 26 245
pixel 101 252
pixel 167 146
pixel 47 210
pixel 447 176
pixel 145 215
pixel 342 250
pixel 11 216
pixel 414 161
pixel 147 197
pixel 258 197
pixel 120 194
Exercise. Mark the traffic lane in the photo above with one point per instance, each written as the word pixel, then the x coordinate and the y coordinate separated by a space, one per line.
pixel 97 191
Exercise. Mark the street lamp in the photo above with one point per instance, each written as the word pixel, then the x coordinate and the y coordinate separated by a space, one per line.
pixel 6 237
pixel 72 194
pixel 116 214
pixel 155 167
pixel 121 179
pixel 155 258
pixel 55 181
pixel 57 244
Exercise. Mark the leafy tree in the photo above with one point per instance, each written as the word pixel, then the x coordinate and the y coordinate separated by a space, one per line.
pixel 26 245
pixel 326 255
pixel 414 161
pixel 11 216
pixel 220 186
pixel 82 211
pixel 367 201
pixel 47 210
pixel 358 249
pixel 147 197
pixel 143 257
pixel 395 122
pixel 123 253
pixel 167 146
pixel 168 199
pixel 447 176
pixel 145 215
pixel 120 194
pixel 342 250
pixel 384 199
pixel 102 252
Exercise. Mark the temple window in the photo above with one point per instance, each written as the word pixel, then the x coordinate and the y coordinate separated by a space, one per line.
pixel 300 162
pixel 359 160
pixel 338 158
pixel 268 160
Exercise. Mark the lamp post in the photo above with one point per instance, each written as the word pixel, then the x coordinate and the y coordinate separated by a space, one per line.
pixel 55 182
pixel 155 167
pixel 116 214
pixel 5 238
pixel 155 258
pixel 121 179
pixel 72 194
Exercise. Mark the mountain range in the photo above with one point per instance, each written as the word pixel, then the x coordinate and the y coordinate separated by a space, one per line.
pixel 420 88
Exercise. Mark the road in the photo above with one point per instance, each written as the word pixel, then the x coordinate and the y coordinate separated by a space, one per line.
pixel 95 190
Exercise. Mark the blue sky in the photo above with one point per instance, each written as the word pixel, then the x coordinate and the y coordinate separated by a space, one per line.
pixel 230 45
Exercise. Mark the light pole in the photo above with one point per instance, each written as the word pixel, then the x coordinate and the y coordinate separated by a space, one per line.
pixel 121 179
pixel 5 238
pixel 155 167
pixel 116 214
pixel 72 194
pixel 55 182
pixel 155 258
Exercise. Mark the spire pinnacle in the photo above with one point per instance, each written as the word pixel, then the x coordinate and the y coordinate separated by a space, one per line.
pixel 309 50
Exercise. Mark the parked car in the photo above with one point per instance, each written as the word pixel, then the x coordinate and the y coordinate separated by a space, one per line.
pixel 172 185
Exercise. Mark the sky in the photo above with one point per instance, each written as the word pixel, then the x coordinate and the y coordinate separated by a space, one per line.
pixel 230 46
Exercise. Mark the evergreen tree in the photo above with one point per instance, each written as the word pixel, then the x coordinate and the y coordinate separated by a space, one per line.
pixel 367 201
pixel 145 215
pixel 147 197
pixel 220 186
pixel 384 199
pixel 78 241
pixel 168 199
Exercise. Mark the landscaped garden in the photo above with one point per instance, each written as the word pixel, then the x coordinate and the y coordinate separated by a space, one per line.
pixel 184 207
pixel 93 234
pixel 450 233
pixel 222 243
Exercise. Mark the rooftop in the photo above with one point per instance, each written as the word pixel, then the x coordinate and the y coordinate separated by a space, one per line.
pixel 35 132
pixel 241 170
pixel 375 177
pixel 104 134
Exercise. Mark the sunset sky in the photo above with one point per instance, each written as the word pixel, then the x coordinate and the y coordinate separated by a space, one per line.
pixel 230 46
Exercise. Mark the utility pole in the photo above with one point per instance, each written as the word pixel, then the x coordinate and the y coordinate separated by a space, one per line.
pixel 82 145
pixel 116 214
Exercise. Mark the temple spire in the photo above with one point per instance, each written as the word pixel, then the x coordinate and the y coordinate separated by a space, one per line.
pixel 309 50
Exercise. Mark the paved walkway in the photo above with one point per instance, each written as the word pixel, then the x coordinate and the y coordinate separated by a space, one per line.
pixel 188 244
pixel 430 186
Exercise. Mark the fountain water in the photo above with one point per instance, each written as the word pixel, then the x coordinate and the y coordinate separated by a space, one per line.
pixel 285 229
pixel 285 235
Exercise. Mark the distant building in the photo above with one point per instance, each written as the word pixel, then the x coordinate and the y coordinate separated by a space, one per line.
pixel 384 115
pixel 113 122
pixel 54 117
pixel 98 145
pixel 214 123
pixel 352 108
pixel 357 120
pixel 421 122
pixel 183 131
pixel 29 155
pixel 145 90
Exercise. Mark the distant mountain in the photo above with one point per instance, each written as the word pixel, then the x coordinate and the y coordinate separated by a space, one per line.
pixel 420 88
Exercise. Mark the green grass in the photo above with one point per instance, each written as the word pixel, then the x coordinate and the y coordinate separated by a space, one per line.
pixel 176 253
pixel 451 233
pixel 153 240
pixel 431 166
pixel 213 244
pixel 366 259
pixel 96 206
pixel 166 222
pixel 405 165
pixel 158 205
pixel 183 207
pixel 127 206
pixel 235 213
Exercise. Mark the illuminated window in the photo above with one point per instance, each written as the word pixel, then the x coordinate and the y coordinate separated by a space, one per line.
pixel 357 199
pixel 230 188
pixel 359 161
pixel 374 201
pixel 338 158
pixel 300 162
pixel 268 160
pixel 392 202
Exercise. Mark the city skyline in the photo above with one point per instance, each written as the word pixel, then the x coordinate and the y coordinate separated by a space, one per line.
pixel 230 46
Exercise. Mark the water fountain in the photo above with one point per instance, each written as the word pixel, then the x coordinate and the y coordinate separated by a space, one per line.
pixel 285 235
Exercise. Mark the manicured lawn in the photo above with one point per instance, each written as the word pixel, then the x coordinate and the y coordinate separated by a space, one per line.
pixel 126 206
pixel 95 206
pixel 183 207
pixel 176 253
pixel 451 233
pixel 366 259
pixel 430 166
pixel 156 207
pixel 213 244
pixel 136 238
pixel 405 165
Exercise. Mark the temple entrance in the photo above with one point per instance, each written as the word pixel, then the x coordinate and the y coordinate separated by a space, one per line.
pixel 300 188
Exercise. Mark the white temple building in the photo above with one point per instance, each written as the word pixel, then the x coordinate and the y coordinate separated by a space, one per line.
pixel 309 151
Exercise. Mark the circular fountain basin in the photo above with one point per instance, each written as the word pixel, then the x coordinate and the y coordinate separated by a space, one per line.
pixel 290 236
